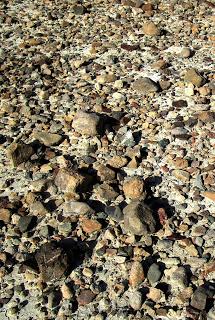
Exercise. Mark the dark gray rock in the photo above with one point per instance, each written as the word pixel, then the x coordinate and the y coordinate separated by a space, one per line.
pixel 199 298
pixel 154 273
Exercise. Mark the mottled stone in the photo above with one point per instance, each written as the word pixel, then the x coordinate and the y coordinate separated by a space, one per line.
pixel 68 181
pixel 136 275
pixel 85 297
pixel 145 86
pixel 87 123
pixel 194 77
pixel 89 226
pixel 135 300
pixel 19 153
pixel 48 139
pixel 76 208
pixel 5 215
pixel 150 29
pixel 199 299
pixel 133 188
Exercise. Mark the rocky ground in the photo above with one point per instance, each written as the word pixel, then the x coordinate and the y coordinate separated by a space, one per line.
pixel 107 160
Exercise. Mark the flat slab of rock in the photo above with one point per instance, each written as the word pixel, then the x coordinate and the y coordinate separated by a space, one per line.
pixel 19 153
pixel 52 262
pixel 48 139
pixel 85 123
pixel 138 218
pixel 145 85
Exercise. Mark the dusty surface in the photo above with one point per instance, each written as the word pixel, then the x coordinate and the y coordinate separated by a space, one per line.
pixel 107 112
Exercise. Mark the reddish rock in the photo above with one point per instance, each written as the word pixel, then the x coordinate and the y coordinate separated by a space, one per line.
pixel 85 297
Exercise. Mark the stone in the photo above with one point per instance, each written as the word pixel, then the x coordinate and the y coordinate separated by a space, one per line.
pixel 181 175
pixel 78 9
pixel 85 297
pixel 128 139
pixel 89 226
pixel 133 188
pixel 66 292
pixel 135 300
pixel 104 173
pixel 185 53
pixel 179 131
pixel 38 209
pixel 48 139
pixel 154 294
pixel 106 78
pixel 19 153
pixel 68 180
pixel 199 298
pixel 86 123
pixel 136 275
pixel 138 218
pixel 76 208
pixel 25 223
pixel 179 278
pixel 206 116
pixel 150 29
pixel 52 262
pixel 145 86
pixel 179 163
pixel 209 195
pixel 5 215
pixel 117 162
pixel 192 76
pixel 106 192
pixel 114 212
pixel 154 274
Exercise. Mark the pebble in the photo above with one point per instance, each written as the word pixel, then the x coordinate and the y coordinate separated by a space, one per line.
pixel 209 195
pixel 138 218
pixel 135 300
pixel 19 153
pixel 117 162
pixel 5 215
pixel 145 86
pixel 185 53
pixel 199 298
pixel 136 275
pixel 150 29
pixel 154 274
pixel 133 188
pixel 89 226
pixel 181 175
pixel 71 208
pixel 88 124
pixel 179 278
pixel 114 212
pixel 24 223
pixel 68 181
pixel 85 297
pixel 66 292
pixel 48 139
pixel 192 76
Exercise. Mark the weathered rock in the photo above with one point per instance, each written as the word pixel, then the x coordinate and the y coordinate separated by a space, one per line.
pixel 194 77
pixel 145 86
pixel 207 116
pixel 68 181
pixel 155 294
pixel 154 273
pixel 135 300
pixel 19 153
pixel 85 297
pixel 133 188
pixel 150 29
pixel 210 195
pixel 106 192
pixel 5 215
pixel 114 212
pixel 185 53
pixel 76 208
pixel 181 175
pixel 104 173
pixel 199 299
pixel 66 292
pixel 85 123
pixel 138 218
pixel 89 226
pixel 25 223
pixel 52 262
pixel 136 275
pixel 38 209
pixel 117 162
pixel 46 138
pixel 179 278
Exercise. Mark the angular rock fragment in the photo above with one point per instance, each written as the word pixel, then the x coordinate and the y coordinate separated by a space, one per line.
pixel 145 86
pixel 135 300
pixel 86 123
pixel 194 77
pixel 138 218
pixel 85 297
pixel 199 299
pixel 68 181
pixel 25 223
pixel 19 153
pixel 48 139
pixel 5 215
pixel 150 29
pixel 52 262
pixel 76 208
pixel 133 188
pixel 136 275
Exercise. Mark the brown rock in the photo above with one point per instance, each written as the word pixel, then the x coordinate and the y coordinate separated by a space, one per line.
pixel 106 192
pixel 145 86
pixel 87 123
pixel 105 174
pixel 179 163
pixel 48 139
pixel 210 195
pixel 52 262
pixel 134 188
pixel 181 175
pixel 68 181
pixel 89 225
pixel 117 162
pixel 193 77
pixel 136 275
pixel 19 153
pixel 150 29
pixel 38 209
pixel 85 297
pixel 5 215
pixel 66 292
pixel 207 116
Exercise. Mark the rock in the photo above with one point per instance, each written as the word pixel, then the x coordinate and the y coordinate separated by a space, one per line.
pixel 114 212
pixel 178 131
pixel 85 123
pixel 182 175
pixel 104 173
pixel 179 163
pixel 106 192
pixel 199 298
pixel 85 297
pixel 106 78
pixel 78 9
pixel 135 300
pixel 138 218
pixel 76 208
pixel 193 77
pixel 52 262
pixel 89 226
pixel 206 116
pixel 48 139
pixel 25 223
pixel 185 53
pixel 5 215
pixel 68 180
pixel 150 29
pixel 136 275
pixel 66 292
pixel 19 153
pixel 38 209
pixel 133 188
pixel 154 273
pixel 178 104
pixel 117 162
pixel 179 278
pixel 155 294
pixel 128 139
pixel 145 86
pixel 209 195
